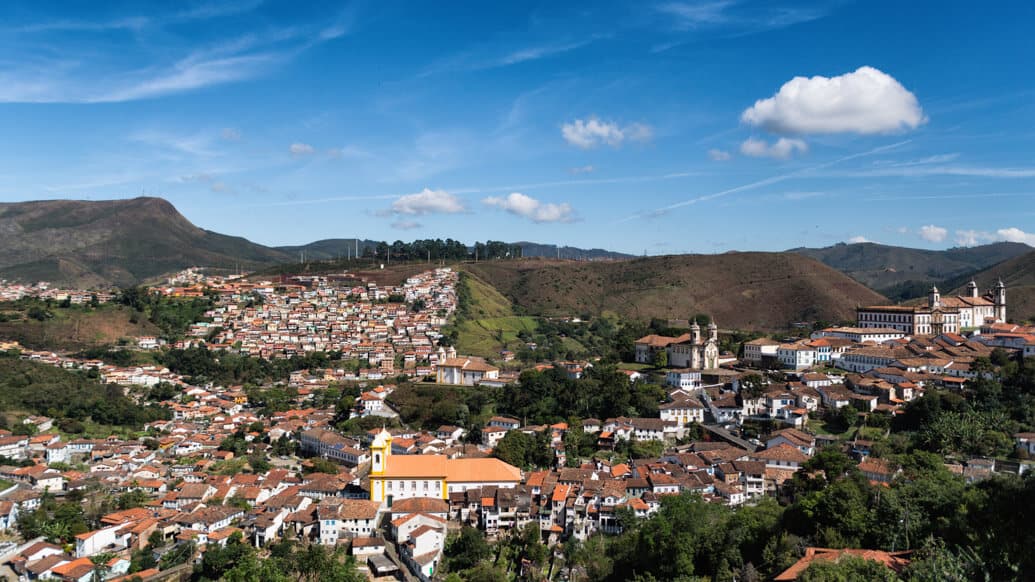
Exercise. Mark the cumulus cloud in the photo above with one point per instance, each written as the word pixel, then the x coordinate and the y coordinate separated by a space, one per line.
pixel 858 239
pixel 428 201
pixel 406 224
pixel 1014 234
pixel 970 238
pixel 301 149
pixel 932 233
pixel 866 101
pixel 593 132
pixel 537 211
pixel 719 155
pixel 784 148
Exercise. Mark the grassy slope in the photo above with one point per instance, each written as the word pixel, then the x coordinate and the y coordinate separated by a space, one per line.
pixel 75 329
pixel 492 325
pixel 761 291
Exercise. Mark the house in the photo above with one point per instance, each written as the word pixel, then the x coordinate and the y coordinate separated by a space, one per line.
pixel 1025 441
pixel 783 456
pixel 803 441
pixel 465 371
pixel 896 561
pixel 684 378
pixel 682 411
pixel 796 356
pixel 878 470
pixel 757 350
pixel 648 346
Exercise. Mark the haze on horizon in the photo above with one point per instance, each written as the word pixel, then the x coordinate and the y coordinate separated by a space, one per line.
pixel 657 127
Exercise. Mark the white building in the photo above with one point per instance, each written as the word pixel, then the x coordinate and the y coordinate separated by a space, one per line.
pixel 948 315
pixel 757 349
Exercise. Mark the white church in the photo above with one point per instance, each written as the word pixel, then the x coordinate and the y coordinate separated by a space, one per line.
pixel 941 314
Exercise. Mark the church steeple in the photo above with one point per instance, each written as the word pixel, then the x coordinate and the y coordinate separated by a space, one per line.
pixel 380 450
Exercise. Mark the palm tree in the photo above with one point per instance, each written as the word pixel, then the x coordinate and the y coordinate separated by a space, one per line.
pixel 100 565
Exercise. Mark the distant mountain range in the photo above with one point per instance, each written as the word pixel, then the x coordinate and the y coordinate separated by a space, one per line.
pixel 531 249
pixel 336 248
pixel 903 273
pixel 120 242
pixel 125 242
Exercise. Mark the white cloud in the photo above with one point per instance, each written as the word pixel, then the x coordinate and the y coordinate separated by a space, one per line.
pixel 532 209
pixel 970 237
pixel 858 239
pixel 230 134
pixel 581 170
pixel 783 149
pixel 594 132
pixel 1014 234
pixel 406 224
pixel 349 152
pixel 696 14
pixel 428 202
pixel 866 101
pixel 301 149
pixel 719 155
pixel 932 233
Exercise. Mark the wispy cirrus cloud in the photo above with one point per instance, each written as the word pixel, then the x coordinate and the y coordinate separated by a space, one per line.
pixel 487 57
pixel 728 18
pixel 112 78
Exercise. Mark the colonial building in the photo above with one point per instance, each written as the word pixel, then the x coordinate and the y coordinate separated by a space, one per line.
pixel 405 476
pixel 695 352
pixel 940 315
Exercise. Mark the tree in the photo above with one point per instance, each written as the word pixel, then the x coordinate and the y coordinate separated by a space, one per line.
pixel 660 358
pixel 101 565
pixel 466 549
pixel 319 465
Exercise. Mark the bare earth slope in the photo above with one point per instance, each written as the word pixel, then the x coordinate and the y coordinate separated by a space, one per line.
pixel 1019 276
pixel 113 242
pixel 901 272
pixel 764 291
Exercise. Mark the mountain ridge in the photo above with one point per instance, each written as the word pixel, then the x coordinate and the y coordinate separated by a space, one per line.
pixel 903 272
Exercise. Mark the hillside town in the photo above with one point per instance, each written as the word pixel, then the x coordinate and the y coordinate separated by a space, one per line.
pixel 222 469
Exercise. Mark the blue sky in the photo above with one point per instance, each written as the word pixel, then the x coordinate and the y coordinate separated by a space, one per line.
pixel 657 127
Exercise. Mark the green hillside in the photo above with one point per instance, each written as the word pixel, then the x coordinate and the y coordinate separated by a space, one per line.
pixel 486 323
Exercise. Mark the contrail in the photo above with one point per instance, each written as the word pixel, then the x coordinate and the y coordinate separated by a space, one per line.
pixel 760 183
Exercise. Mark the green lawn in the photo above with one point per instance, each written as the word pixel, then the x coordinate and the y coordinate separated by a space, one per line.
pixel 5 485
pixel 486 337
pixel 491 325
